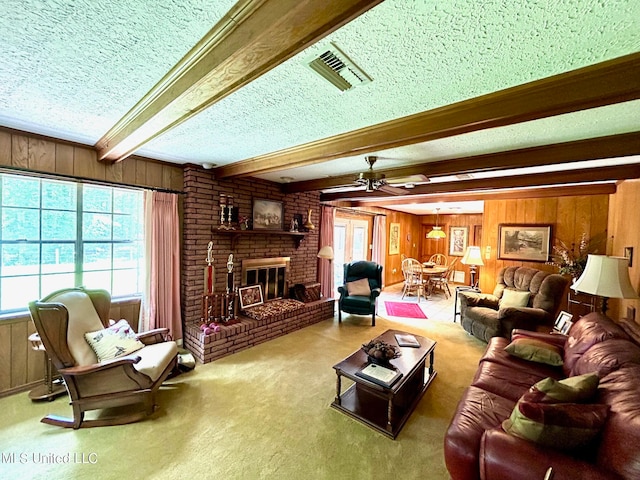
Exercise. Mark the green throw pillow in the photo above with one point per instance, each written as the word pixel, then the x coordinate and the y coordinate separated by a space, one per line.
pixel 578 389
pixel 514 298
pixel 564 426
pixel 535 351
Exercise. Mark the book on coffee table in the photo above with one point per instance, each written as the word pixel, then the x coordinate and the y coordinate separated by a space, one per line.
pixel 407 340
pixel 378 374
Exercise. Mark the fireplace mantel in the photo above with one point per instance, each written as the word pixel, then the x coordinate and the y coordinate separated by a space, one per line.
pixel 236 234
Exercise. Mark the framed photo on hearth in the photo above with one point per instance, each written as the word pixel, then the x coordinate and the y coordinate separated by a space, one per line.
pixel 267 214
pixel 250 296
pixel 524 242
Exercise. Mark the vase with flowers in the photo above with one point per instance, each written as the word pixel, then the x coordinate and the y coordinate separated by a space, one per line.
pixel 572 260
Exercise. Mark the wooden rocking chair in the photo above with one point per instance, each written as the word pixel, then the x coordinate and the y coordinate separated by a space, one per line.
pixel 62 319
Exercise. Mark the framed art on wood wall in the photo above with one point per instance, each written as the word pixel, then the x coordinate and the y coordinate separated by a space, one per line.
pixel 394 238
pixel 528 243
pixel 267 215
pixel 458 240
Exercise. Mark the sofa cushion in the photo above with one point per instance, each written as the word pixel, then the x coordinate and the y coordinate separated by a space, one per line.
pixel 631 328
pixel 605 357
pixel 514 298
pixel 359 287
pixel 154 359
pixel 114 341
pixel 564 426
pixel 535 350
pixel 495 353
pixel 586 332
pixel 478 410
pixel 504 380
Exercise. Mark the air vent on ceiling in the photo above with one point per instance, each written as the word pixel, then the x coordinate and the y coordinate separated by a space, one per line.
pixel 338 69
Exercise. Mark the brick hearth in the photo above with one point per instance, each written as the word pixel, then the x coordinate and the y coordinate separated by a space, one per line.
pixel 249 332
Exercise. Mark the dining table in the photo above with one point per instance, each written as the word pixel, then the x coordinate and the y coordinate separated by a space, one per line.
pixel 430 270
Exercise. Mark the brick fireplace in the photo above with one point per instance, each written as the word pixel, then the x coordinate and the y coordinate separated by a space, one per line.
pixel 201 221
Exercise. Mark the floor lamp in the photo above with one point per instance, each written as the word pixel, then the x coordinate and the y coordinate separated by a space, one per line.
pixel 473 258
pixel 326 252
pixel 606 277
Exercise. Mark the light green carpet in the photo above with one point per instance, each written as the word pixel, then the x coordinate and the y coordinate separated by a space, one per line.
pixel 259 414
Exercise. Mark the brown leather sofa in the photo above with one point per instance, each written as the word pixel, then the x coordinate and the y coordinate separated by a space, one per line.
pixel 477 446
pixel 486 315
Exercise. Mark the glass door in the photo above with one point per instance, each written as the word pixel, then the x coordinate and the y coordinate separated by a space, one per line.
pixel 350 243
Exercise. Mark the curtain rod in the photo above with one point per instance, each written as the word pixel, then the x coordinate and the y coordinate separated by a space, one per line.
pixel 352 211
pixel 59 176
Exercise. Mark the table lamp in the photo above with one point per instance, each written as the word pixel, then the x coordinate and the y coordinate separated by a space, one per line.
pixel 606 277
pixel 473 258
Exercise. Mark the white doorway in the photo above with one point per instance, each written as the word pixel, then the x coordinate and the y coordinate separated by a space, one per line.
pixel 350 243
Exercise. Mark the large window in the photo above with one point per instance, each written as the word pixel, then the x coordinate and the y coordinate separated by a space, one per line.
pixel 58 234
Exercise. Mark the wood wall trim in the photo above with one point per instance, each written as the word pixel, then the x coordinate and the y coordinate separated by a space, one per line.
pixel 605 83
pixel 611 146
pixel 251 39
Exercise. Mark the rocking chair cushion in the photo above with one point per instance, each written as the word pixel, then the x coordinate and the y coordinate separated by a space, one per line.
pixel 115 341
pixel 155 358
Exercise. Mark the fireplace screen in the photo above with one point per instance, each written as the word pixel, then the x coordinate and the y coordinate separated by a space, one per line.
pixel 271 273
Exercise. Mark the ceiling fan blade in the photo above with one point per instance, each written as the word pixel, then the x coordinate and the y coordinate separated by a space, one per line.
pixel 393 190
pixel 418 178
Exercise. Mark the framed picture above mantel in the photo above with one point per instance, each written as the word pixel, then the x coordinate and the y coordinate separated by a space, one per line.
pixel 267 214
pixel 524 242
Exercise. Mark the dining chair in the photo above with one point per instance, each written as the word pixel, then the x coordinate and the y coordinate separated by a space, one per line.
pixel 439 259
pixel 414 283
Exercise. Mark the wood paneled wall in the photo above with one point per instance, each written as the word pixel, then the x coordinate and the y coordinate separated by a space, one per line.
pixel 569 216
pixel 624 228
pixel 20 366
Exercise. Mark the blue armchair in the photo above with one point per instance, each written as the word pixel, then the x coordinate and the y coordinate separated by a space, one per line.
pixel 362 286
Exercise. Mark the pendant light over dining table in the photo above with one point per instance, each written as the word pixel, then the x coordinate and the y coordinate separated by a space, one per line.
pixel 436 232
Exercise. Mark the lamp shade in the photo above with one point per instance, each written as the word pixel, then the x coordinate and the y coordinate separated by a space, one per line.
pixel 606 277
pixel 326 252
pixel 473 256
pixel 436 232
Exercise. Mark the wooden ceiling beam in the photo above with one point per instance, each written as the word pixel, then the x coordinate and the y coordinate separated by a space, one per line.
pixel 601 174
pixel 542 192
pixel 611 146
pixel 605 83
pixel 252 38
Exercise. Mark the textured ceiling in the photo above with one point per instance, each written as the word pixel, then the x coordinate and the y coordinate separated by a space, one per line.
pixel 72 69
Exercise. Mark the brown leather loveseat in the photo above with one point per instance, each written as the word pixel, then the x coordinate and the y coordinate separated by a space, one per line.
pixel 524 298
pixel 477 445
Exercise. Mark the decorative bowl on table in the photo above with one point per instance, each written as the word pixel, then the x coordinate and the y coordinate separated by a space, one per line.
pixel 380 352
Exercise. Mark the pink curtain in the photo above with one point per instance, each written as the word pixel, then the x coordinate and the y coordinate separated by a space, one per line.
pixel 161 307
pixel 379 254
pixel 325 267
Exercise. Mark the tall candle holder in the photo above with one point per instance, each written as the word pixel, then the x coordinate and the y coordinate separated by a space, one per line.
pixel 230 210
pixel 223 205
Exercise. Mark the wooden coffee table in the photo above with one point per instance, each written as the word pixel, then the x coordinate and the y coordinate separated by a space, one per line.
pixel 386 409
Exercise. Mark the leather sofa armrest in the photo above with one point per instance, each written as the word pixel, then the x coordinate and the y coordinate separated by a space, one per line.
pixel 526 318
pixel 472 299
pixel 505 456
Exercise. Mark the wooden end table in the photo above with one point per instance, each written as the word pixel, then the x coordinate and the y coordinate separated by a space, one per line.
pixel 386 409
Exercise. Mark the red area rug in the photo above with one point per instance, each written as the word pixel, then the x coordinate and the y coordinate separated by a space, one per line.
pixel 401 309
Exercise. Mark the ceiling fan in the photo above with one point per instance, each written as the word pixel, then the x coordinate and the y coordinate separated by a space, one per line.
pixel 373 181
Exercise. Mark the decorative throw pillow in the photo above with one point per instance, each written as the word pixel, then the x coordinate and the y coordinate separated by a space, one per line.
pixel 564 426
pixel 578 389
pixel 535 350
pixel 359 287
pixel 115 341
pixel 514 298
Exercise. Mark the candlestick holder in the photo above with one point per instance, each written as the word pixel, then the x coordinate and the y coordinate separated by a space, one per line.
pixel 230 212
pixel 223 206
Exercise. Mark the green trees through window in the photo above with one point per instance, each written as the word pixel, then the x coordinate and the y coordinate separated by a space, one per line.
pixel 58 234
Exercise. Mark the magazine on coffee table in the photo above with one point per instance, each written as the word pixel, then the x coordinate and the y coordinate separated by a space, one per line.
pixel 407 340
pixel 379 374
